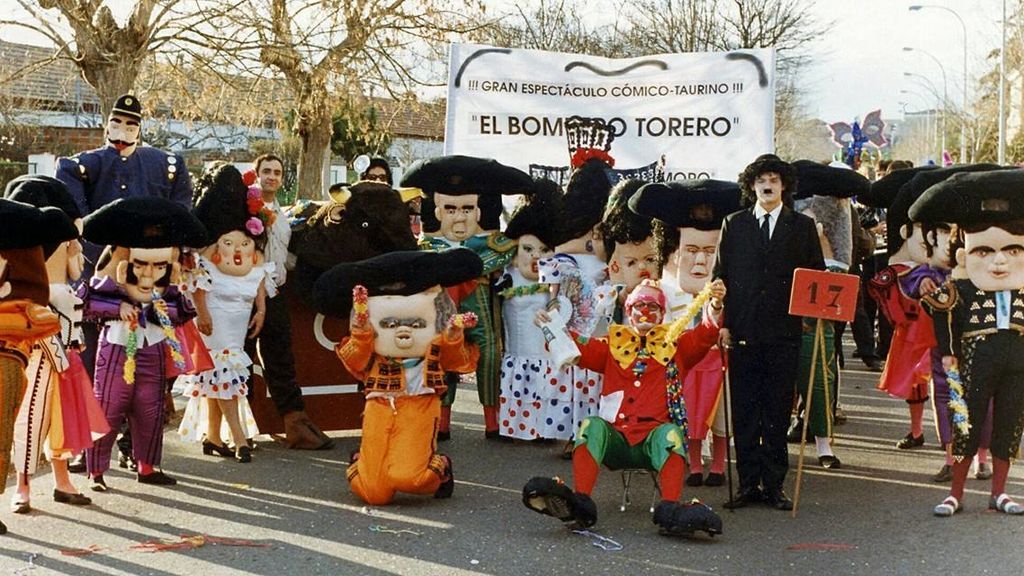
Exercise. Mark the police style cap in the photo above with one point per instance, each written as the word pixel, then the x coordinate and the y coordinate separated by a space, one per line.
pixel 144 222
pixel 222 204
pixel 972 198
pixel 538 214
pixel 817 179
pixel 401 273
pixel 897 216
pixel 700 204
pixel 42 191
pixel 128 105
pixel 26 226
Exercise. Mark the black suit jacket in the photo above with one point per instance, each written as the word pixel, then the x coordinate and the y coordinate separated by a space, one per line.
pixel 758 279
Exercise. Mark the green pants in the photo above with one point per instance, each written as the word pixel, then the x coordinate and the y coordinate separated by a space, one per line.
pixel 820 414
pixel 608 446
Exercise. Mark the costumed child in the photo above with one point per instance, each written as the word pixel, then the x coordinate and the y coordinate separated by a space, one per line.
pixel 25 317
pixel 404 335
pixel 979 322
pixel 232 274
pixel 59 414
pixel 527 374
pixel 696 208
pixel 641 422
pixel 824 195
pixel 466 194
pixel 573 395
pixel 136 298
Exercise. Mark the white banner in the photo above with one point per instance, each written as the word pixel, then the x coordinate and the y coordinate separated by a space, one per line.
pixel 672 116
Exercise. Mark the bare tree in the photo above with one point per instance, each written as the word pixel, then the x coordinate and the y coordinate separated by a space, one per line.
pixel 668 26
pixel 553 25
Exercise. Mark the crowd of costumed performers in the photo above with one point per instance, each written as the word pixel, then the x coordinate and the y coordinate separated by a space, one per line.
pixel 635 325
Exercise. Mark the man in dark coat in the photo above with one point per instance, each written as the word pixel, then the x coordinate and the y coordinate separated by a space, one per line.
pixel 759 248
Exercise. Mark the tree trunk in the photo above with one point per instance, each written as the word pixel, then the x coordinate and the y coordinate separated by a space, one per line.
pixel 315 131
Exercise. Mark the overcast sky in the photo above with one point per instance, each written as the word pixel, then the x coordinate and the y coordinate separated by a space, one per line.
pixel 859 64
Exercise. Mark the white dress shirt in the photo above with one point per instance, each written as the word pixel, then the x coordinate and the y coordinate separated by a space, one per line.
pixel 773 217
pixel 278 236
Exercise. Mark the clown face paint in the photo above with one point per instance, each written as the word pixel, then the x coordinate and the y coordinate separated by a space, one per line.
pixel 994 259
pixel 530 250
pixel 459 216
pixel 644 309
pixel 405 325
pixel 123 133
pixel 147 272
pixel 631 263
pixel 235 253
pixel 695 258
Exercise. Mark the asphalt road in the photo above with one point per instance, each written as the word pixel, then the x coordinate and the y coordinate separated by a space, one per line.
pixel 871 517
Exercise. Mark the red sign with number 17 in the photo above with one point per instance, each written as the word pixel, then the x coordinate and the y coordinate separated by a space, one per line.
pixel 825 295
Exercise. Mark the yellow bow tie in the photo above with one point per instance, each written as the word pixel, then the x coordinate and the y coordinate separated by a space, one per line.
pixel 624 344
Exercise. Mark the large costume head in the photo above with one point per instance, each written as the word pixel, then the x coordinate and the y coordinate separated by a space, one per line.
pixel 406 304
pixel 768 181
pixel 124 125
pixel 633 242
pixel 693 210
pixel 235 218
pixel 65 261
pixel 361 221
pixel 146 234
pixel 586 196
pixel 645 306
pixel 24 231
pixel 463 194
pixel 535 226
pixel 824 195
pixel 989 207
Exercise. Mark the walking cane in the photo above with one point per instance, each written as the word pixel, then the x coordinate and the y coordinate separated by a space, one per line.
pixel 724 353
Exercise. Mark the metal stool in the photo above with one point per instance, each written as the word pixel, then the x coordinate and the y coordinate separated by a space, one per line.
pixel 627 478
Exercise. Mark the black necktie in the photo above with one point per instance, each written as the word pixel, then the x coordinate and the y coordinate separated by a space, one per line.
pixel 765 230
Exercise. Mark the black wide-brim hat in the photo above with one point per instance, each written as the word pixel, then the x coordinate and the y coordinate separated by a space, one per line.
pixel 700 204
pixel 144 222
pixel 538 215
pixel 817 179
pixel 884 190
pixel 42 191
pixel 973 198
pixel 221 206
pixel 458 175
pixel 393 274
pixel 26 226
pixel 897 215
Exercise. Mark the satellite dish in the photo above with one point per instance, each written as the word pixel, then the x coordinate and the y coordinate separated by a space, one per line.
pixel 361 163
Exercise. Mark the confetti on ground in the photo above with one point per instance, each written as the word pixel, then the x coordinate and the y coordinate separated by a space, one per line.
pixel 196 541
pixel 601 542
pixel 821 546
pixel 385 530
pixel 81 551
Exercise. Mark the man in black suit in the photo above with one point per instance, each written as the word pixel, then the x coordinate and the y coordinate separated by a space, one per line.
pixel 758 250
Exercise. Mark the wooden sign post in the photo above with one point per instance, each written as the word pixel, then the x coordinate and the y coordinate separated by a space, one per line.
pixel 824 296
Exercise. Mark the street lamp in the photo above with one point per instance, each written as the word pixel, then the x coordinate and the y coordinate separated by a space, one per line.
pixel 944 90
pixel 963 103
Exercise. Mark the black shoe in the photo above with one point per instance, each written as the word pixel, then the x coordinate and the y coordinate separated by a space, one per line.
pixel 777 499
pixel 714 479
pixel 873 365
pixel 795 428
pixel 77 464
pixel 98 484
pixel 675 519
pixel 444 435
pixel 209 449
pixel 945 474
pixel 496 435
pixel 243 454
pixel 3 529
pixel 75 499
pixel 909 442
pixel 158 478
pixel 745 498
pixel 550 496
pixel 20 506
pixel 447 486
pixel 695 479
pixel 830 462
pixel 126 461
